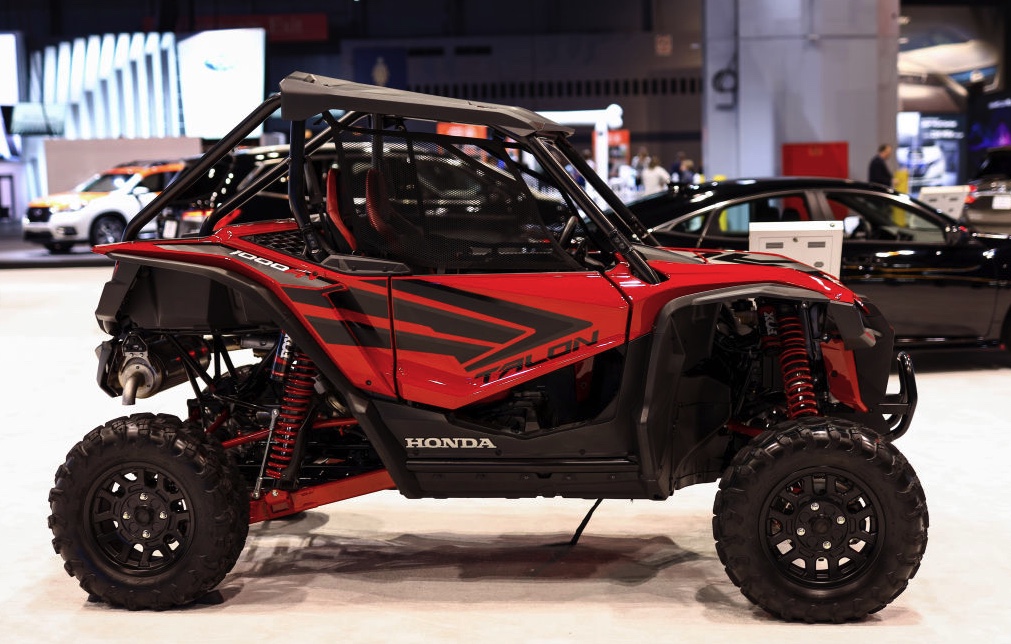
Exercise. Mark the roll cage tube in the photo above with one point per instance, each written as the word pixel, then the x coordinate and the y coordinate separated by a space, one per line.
pixel 314 249
pixel 618 207
pixel 617 239
pixel 237 200
pixel 190 176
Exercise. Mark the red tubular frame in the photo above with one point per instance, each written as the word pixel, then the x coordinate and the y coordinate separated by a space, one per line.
pixel 263 433
pixel 280 503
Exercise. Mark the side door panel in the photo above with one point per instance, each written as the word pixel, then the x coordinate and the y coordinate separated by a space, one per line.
pixel 461 338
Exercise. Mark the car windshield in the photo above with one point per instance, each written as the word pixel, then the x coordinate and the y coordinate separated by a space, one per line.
pixel 932 38
pixel 109 182
pixel 996 164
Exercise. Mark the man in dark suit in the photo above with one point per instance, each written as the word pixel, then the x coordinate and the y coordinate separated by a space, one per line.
pixel 877 171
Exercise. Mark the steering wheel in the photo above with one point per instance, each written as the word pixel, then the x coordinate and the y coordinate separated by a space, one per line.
pixel 565 236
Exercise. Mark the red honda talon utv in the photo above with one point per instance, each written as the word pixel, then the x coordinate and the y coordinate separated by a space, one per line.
pixel 478 317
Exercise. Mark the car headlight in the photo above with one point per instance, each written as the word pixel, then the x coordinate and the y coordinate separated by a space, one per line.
pixel 70 206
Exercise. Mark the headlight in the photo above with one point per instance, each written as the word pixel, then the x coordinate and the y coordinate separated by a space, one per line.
pixel 67 207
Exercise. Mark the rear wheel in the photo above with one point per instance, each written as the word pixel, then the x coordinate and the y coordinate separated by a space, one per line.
pixel 106 229
pixel 145 515
pixel 819 521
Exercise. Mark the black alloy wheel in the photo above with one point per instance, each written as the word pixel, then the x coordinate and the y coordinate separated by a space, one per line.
pixel 822 529
pixel 819 520
pixel 141 519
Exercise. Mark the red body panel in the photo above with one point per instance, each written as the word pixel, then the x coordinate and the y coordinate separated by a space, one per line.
pixel 686 279
pixel 305 288
pixel 841 369
pixel 451 340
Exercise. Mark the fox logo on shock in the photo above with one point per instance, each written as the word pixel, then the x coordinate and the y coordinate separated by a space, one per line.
pixel 451 443
pixel 261 260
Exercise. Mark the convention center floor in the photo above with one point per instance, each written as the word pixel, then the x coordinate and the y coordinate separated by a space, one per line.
pixel 382 568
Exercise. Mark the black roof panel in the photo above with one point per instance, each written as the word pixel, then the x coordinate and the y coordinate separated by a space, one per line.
pixel 304 95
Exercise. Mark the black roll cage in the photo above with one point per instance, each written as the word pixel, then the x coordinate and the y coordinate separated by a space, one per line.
pixel 309 92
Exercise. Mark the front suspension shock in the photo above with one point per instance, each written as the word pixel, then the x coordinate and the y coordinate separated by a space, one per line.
pixel 783 330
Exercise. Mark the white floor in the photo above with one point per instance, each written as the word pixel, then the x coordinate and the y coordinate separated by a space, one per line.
pixel 385 569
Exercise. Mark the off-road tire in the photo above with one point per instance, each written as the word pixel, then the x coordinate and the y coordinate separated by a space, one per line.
pixel 146 473
pixel 819 520
pixel 237 484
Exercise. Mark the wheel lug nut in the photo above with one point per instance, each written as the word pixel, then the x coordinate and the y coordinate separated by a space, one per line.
pixel 840 519
pixel 126 515
pixel 143 496
pixel 163 515
pixel 827 545
pixel 814 507
pixel 801 532
pixel 147 534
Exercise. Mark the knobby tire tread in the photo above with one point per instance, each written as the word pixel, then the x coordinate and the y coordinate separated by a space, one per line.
pixel 212 550
pixel 744 488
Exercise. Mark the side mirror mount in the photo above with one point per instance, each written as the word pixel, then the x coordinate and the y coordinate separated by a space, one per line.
pixel 140 190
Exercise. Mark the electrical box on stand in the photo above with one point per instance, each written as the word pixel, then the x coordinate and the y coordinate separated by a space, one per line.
pixel 816 243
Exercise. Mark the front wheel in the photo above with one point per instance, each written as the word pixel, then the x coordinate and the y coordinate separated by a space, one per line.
pixel 145 515
pixel 106 229
pixel 819 521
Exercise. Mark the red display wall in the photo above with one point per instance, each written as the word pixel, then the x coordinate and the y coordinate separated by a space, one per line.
pixel 829 159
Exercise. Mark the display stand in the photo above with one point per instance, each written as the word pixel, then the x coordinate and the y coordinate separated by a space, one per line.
pixel 816 243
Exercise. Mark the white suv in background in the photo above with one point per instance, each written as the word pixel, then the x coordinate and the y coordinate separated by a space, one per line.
pixel 96 211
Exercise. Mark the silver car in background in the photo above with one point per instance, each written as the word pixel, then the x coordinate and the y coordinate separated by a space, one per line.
pixel 988 204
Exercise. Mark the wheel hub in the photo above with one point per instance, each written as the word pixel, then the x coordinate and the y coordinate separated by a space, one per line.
pixel 827 524
pixel 144 516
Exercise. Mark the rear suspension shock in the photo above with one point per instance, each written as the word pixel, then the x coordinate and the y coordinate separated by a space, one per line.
pixel 298 387
pixel 783 330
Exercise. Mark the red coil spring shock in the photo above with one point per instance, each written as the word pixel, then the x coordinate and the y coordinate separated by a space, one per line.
pixel 298 389
pixel 786 333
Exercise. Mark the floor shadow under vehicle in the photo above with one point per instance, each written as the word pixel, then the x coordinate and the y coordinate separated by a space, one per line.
pixel 475 568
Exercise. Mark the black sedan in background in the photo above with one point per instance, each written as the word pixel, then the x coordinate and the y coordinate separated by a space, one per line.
pixel 935 280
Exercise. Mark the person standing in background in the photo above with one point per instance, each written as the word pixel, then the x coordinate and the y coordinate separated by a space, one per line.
pixel 654 177
pixel 878 171
pixel 688 172
pixel 679 159
pixel 639 163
